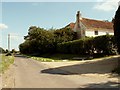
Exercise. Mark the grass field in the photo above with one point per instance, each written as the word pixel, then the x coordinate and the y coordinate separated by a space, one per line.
pixel 5 62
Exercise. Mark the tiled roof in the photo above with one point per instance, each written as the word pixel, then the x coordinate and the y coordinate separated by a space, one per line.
pixel 90 23
pixel 71 25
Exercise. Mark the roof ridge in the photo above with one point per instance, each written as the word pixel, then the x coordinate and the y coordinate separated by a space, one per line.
pixel 97 20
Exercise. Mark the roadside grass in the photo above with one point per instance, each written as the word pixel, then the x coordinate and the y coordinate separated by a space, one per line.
pixel 5 62
pixel 54 57
pixel 42 59
pixel 63 57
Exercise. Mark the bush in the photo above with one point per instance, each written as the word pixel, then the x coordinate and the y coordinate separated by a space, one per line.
pixel 2 50
pixel 64 35
pixel 102 45
pixel 81 46
pixel 105 45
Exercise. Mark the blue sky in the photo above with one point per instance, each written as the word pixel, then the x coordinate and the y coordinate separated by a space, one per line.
pixel 17 17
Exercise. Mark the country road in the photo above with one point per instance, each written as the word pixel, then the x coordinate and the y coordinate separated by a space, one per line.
pixel 27 73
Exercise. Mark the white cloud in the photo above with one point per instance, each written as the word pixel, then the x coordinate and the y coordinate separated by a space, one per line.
pixel 107 5
pixel 3 26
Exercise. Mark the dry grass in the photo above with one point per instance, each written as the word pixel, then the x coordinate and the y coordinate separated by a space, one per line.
pixel 5 62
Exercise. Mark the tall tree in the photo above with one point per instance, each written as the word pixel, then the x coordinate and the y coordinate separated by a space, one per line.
pixel 38 41
pixel 64 35
pixel 117 28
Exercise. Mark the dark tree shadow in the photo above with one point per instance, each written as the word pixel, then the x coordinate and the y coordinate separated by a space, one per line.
pixel 19 55
pixel 97 67
pixel 110 85
pixel 55 71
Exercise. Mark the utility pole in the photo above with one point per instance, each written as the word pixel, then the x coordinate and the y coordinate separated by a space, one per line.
pixel 8 42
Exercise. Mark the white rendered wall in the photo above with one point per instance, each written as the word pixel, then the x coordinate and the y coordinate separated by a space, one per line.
pixel 92 33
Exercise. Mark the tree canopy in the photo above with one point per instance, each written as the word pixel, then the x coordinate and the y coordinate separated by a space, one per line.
pixel 117 28
pixel 40 41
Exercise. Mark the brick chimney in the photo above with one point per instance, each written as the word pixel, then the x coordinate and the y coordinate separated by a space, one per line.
pixel 78 29
pixel 78 19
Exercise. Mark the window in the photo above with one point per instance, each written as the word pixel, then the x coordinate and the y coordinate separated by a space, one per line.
pixel 96 32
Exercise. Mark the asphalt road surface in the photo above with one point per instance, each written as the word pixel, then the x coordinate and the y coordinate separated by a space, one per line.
pixel 28 73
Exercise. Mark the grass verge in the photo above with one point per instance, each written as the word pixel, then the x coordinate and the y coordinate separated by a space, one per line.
pixel 62 57
pixel 54 57
pixel 5 62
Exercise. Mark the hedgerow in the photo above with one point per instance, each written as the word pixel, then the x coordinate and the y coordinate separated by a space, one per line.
pixel 102 45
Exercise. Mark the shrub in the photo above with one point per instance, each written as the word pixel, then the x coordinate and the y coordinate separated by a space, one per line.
pixel 2 50
pixel 117 28
pixel 81 46
pixel 101 44
pixel 105 45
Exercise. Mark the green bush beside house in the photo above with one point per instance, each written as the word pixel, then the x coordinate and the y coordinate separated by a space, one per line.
pixel 40 41
pixel 101 45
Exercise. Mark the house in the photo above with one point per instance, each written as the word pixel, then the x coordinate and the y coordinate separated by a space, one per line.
pixel 90 27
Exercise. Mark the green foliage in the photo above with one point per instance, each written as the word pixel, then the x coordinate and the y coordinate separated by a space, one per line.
pixel 6 51
pixel 81 46
pixel 37 41
pixel 101 45
pixel 41 41
pixel 2 50
pixel 117 28
pixel 13 51
pixel 55 57
pixel 64 35
pixel 117 34
pixel 105 44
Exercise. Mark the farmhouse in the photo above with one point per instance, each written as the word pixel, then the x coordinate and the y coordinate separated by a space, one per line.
pixel 89 27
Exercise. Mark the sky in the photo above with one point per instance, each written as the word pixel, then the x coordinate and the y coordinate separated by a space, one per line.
pixel 17 17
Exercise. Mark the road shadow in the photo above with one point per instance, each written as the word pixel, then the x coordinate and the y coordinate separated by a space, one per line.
pixel 96 67
pixel 109 85
pixel 19 55
pixel 55 71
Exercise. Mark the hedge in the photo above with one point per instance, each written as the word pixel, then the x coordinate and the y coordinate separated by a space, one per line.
pixel 102 45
